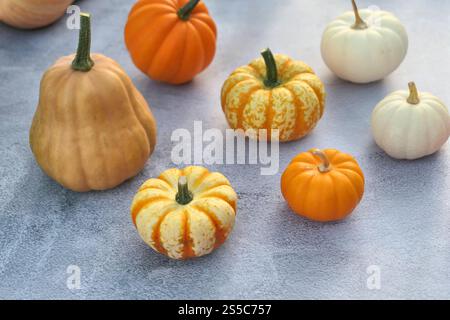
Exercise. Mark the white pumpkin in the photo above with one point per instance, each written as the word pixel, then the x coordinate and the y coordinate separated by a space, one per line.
pixel 410 125
pixel 364 46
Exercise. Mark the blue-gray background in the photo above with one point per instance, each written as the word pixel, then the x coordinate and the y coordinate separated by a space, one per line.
pixel 402 225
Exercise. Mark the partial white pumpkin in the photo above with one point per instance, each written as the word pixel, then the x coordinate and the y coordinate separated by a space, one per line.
pixel 410 125
pixel 364 46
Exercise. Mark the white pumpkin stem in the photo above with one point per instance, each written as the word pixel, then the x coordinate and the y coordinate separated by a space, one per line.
pixel 359 24
pixel 325 165
pixel 184 196
pixel 413 94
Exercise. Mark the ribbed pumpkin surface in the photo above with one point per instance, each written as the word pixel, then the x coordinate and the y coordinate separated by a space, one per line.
pixel 323 196
pixel 165 47
pixel 294 107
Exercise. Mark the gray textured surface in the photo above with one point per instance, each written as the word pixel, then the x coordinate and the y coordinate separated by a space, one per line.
pixel 402 224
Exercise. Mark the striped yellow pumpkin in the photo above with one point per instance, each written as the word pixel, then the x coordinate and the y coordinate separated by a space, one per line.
pixel 274 92
pixel 185 213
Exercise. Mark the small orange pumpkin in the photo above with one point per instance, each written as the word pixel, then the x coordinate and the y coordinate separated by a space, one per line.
pixel 323 185
pixel 30 14
pixel 171 40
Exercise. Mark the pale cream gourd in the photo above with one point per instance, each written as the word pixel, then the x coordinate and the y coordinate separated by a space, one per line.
pixel 409 124
pixel 364 46
pixel 31 14
pixel 185 213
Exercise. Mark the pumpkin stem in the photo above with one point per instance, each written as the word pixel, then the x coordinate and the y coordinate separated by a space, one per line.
pixel 325 165
pixel 359 22
pixel 271 80
pixel 184 196
pixel 413 94
pixel 185 12
pixel 83 61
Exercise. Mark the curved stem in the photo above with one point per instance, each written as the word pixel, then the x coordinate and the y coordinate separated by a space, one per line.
pixel 359 22
pixel 413 94
pixel 185 12
pixel 184 196
pixel 83 61
pixel 325 165
pixel 271 80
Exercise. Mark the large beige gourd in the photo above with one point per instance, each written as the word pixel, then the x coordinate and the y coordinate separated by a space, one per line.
pixel 31 14
pixel 92 129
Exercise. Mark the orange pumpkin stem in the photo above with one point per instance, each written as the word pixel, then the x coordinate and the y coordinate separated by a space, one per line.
pixel 359 22
pixel 83 61
pixel 325 165
pixel 185 12
pixel 413 94
pixel 184 196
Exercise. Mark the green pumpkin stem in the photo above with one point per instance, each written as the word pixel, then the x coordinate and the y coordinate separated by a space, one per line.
pixel 184 196
pixel 185 12
pixel 271 80
pixel 83 61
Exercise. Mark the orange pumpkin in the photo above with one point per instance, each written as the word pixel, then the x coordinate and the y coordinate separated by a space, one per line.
pixel 323 185
pixel 171 40
pixel 30 14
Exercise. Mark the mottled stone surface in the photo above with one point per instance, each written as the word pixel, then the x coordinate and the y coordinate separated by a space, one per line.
pixel 402 224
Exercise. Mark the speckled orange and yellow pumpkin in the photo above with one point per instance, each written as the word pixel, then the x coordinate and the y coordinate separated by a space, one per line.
pixel 185 213
pixel 92 129
pixel 274 92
